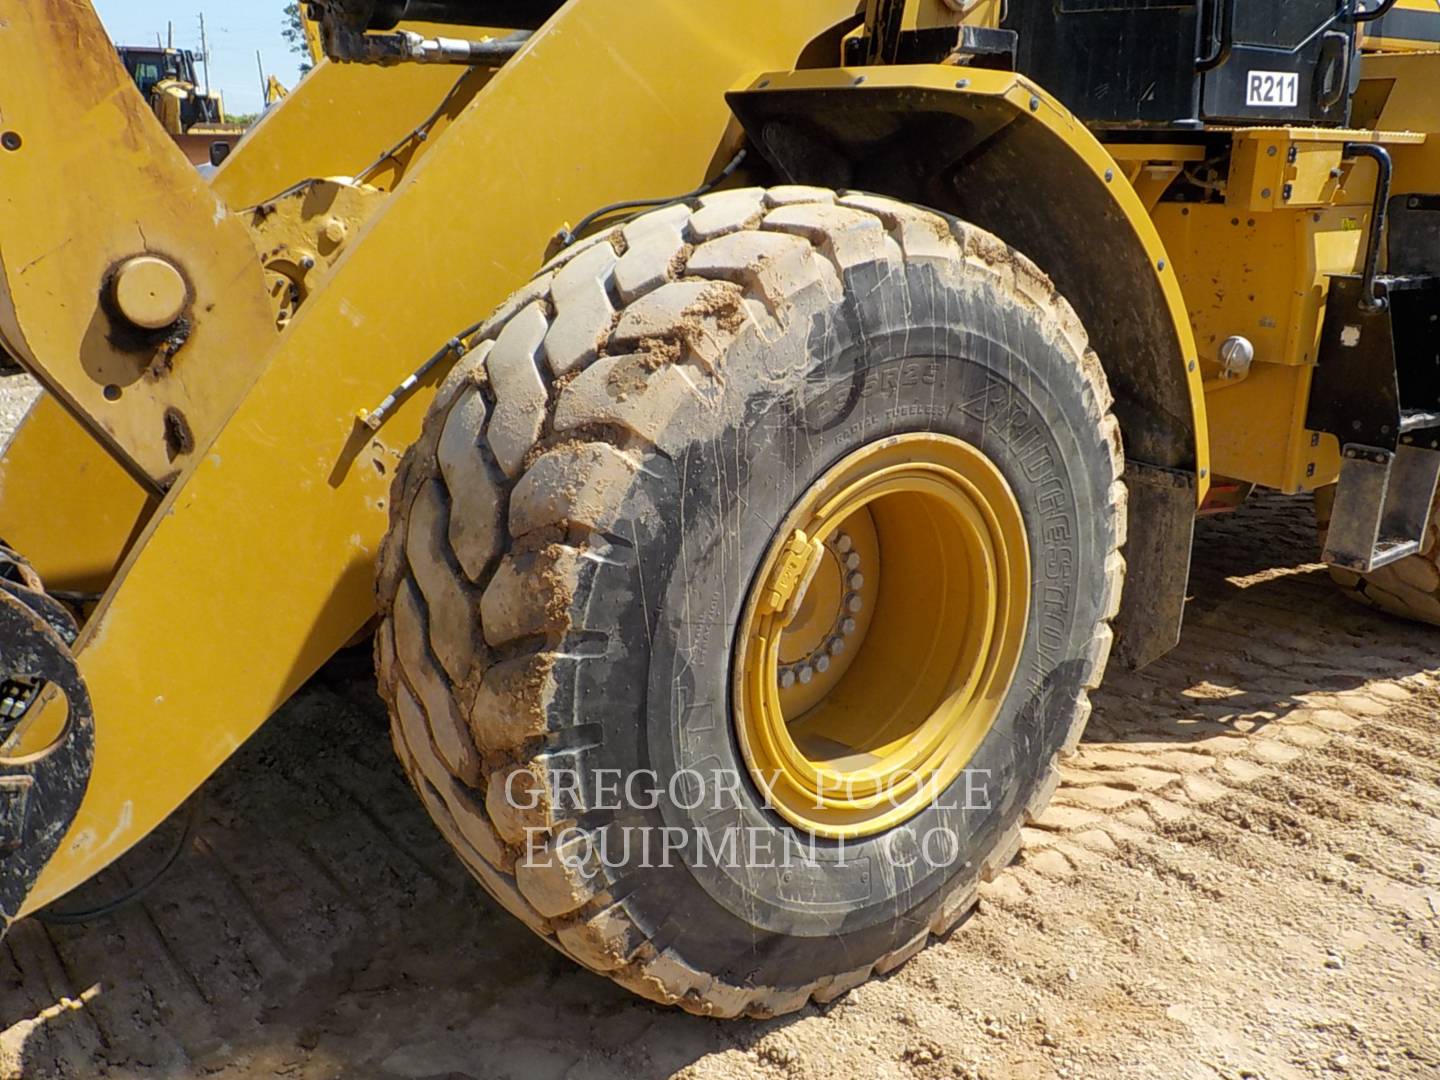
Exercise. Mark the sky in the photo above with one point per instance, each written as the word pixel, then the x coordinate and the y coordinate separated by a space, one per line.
pixel 235 30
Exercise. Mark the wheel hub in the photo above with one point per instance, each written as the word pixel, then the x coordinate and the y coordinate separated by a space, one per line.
pixel 832 618
pixel 883 634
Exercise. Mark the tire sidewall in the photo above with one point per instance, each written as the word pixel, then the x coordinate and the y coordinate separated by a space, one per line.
pixel 930 350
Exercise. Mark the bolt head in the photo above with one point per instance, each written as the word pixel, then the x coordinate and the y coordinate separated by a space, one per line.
pixel 807 674
pixel 149 292
pixel 1236 355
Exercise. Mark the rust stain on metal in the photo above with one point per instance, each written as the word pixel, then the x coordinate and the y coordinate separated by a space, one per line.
pixel 179 439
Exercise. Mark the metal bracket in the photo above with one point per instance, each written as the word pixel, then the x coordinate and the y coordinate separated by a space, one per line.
pixel 973 46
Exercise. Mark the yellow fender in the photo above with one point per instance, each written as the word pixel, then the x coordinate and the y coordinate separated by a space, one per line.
pixel 995 149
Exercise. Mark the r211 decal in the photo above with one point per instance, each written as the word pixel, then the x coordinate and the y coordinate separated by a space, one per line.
pixel 1272 90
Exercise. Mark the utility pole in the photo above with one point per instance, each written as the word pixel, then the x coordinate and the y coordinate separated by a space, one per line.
pixel 205 54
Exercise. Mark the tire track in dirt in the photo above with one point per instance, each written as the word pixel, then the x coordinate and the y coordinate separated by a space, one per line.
pixel 1239 877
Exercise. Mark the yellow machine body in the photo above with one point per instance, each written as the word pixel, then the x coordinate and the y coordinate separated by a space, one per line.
pixel 1299 211
pixel 220 491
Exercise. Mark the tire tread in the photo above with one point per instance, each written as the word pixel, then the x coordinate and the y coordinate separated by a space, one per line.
pixel 528 460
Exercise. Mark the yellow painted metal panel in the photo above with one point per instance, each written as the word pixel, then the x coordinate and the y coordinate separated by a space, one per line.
pixel 1403 89
pixel 1280 168
pixel 1411 26
pixel 87 179
pixel 260 563
pixel 1408 101
pixel 336 122
pixel 1257 432
pixel 65 502
pixel 1263 276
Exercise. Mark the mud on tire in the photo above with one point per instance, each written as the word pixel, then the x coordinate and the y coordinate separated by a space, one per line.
pixel 575 532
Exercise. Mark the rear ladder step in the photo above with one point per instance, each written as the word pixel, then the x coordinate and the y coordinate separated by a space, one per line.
pixel 1382 505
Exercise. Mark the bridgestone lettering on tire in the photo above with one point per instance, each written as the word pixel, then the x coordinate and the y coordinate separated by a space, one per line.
pixel 576 531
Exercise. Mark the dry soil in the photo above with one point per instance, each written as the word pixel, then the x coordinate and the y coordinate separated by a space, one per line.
pixel 1240 878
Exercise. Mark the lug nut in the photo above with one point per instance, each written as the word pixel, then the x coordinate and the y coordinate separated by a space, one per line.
pixel 822 664
pixel 848 626
pixel 806 674
pixel 857 581
pixel 852 561
pixel 853 604
pixel 787 678
pixel 837 646
pixel 842 542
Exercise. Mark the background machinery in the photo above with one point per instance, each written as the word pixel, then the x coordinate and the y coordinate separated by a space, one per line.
pixel 740 466
pixel 190 112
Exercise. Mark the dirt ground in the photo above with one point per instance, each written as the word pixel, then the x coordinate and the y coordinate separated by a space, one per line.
pixel 1240 878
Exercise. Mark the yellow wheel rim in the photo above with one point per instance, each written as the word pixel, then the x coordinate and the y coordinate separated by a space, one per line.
pixel 882 634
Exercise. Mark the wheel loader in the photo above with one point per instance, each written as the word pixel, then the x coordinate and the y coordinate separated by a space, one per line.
pixel 194 116
pixel 748 430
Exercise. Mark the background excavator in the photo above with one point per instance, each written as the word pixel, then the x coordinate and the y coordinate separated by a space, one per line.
pixel 749 434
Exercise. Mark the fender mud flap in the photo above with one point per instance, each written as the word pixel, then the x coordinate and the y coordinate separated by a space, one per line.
pixel 1162 516
pixel 40 791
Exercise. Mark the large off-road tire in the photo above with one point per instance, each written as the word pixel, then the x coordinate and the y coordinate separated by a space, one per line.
pixel 1409 588
pixel 575 535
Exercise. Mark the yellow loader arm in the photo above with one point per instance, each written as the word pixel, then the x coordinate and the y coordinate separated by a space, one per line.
pixel 198 459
